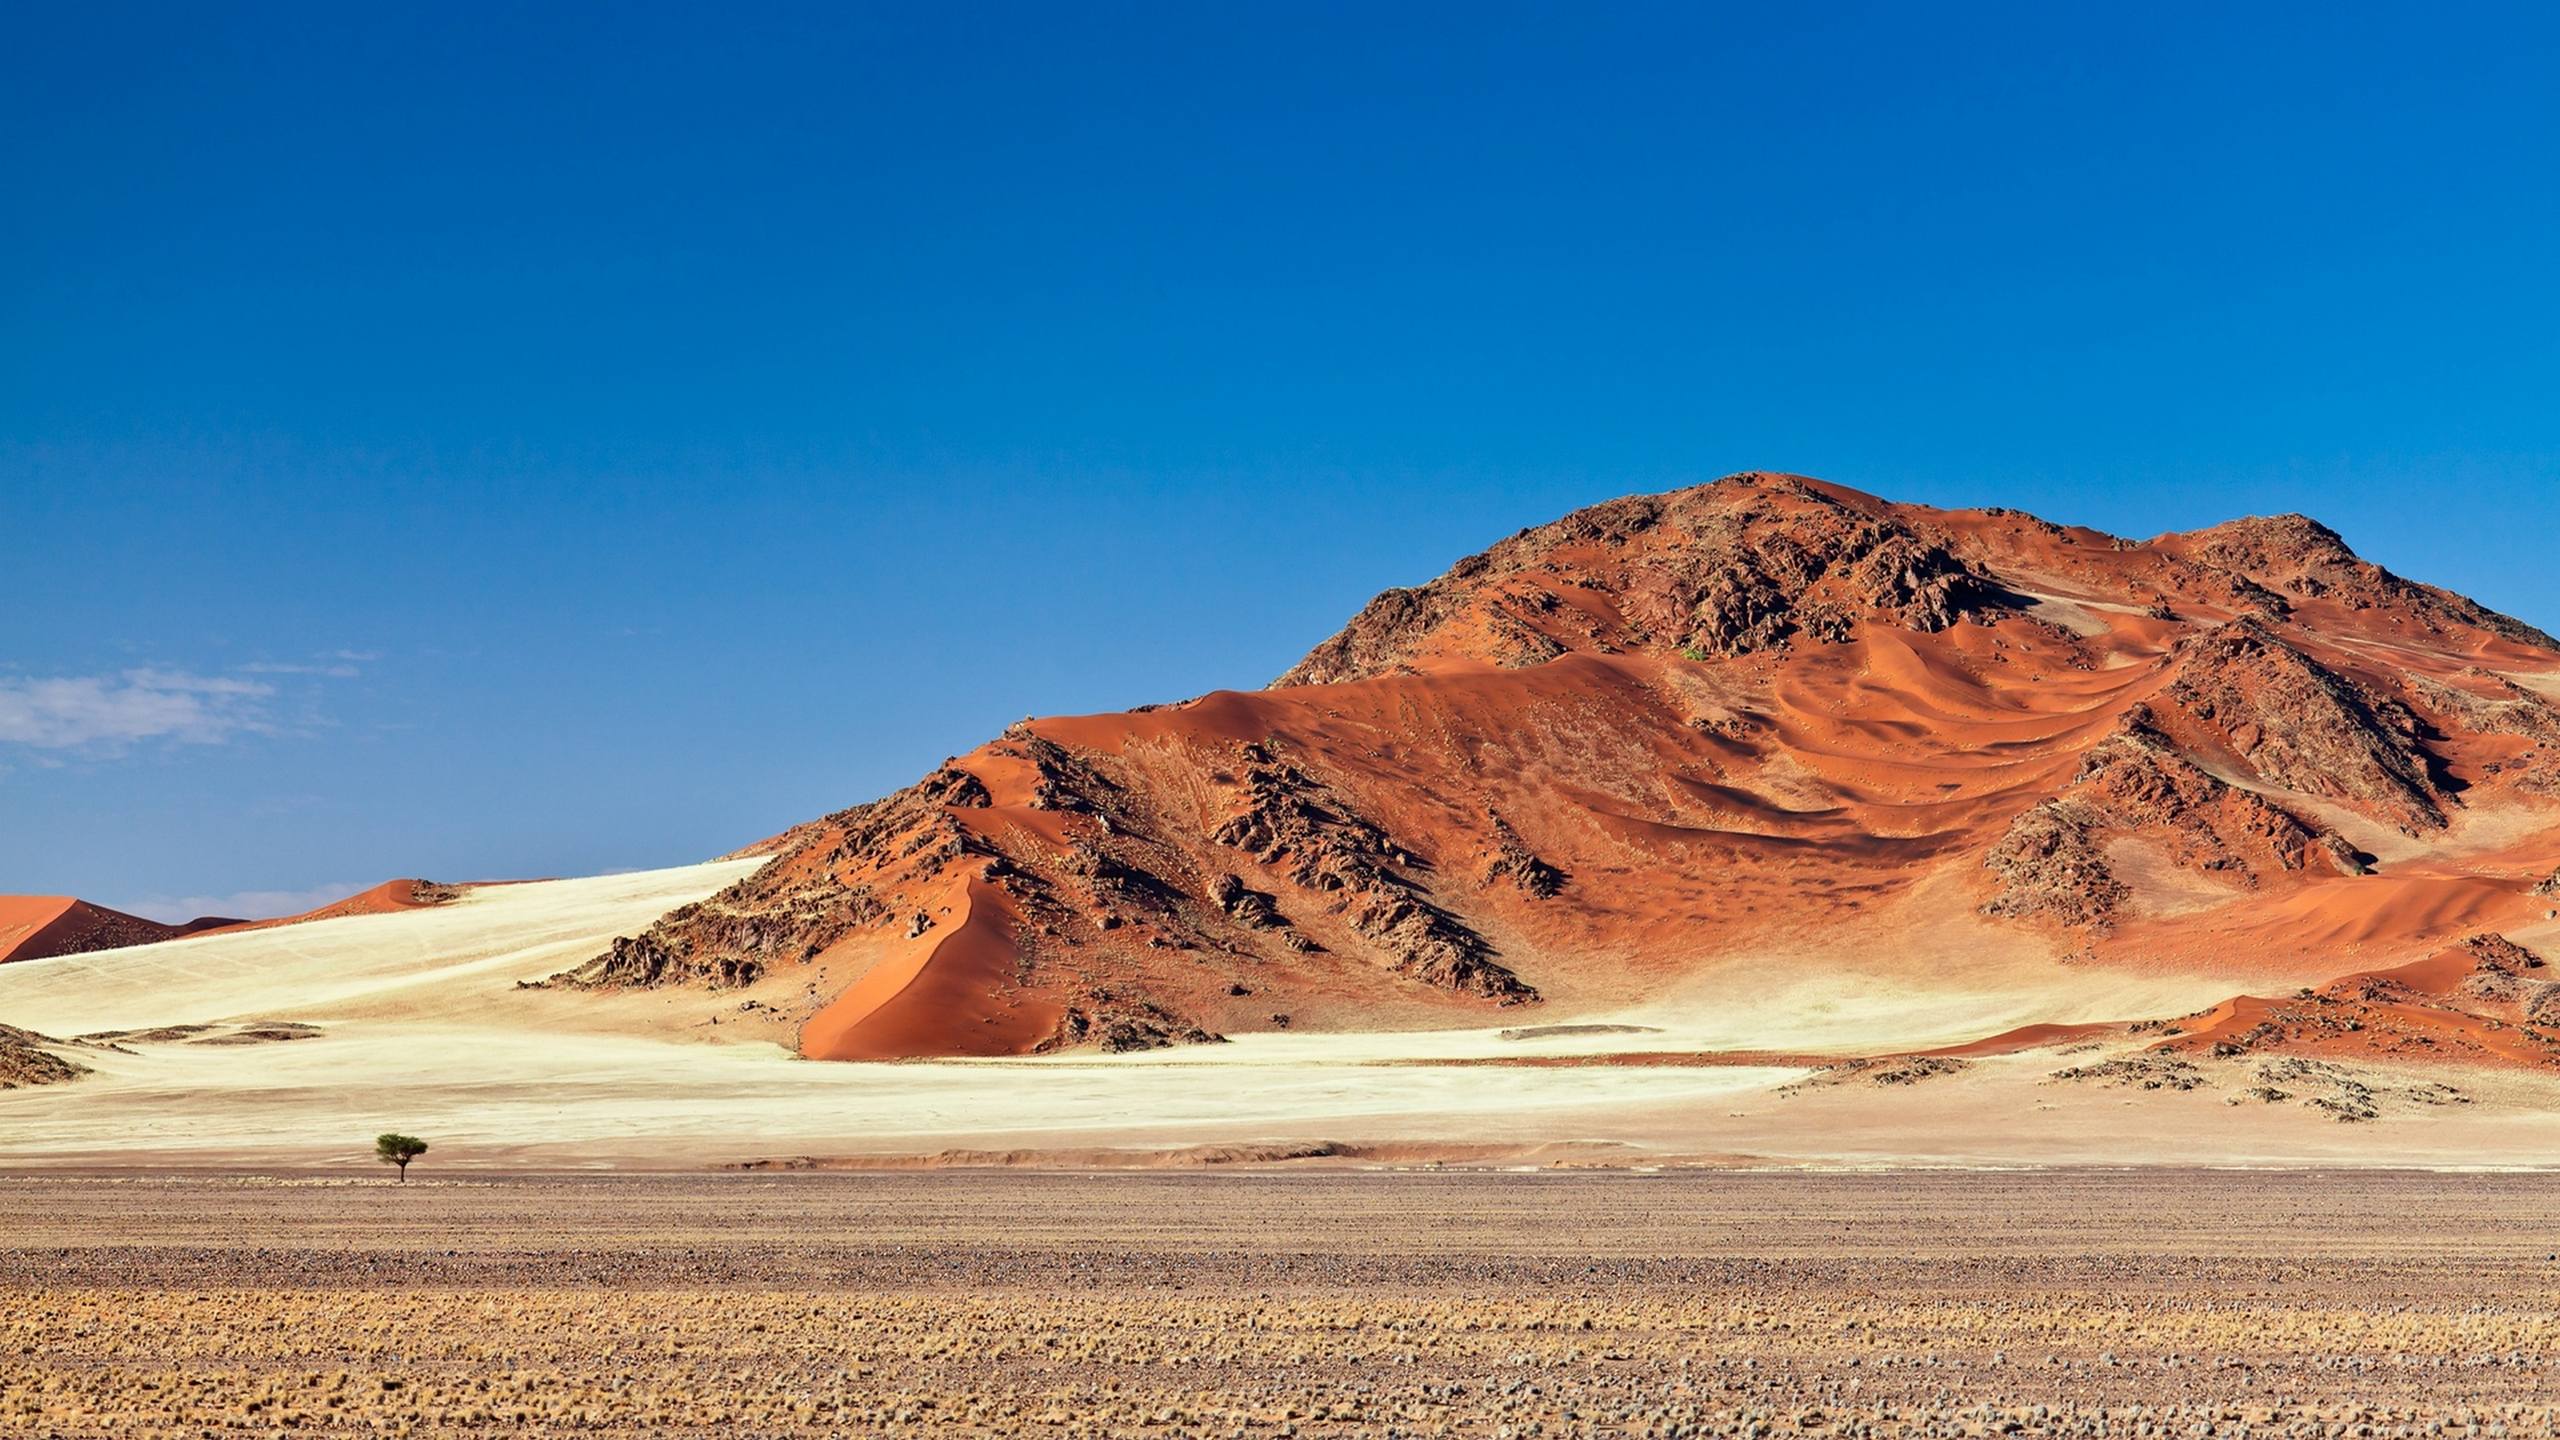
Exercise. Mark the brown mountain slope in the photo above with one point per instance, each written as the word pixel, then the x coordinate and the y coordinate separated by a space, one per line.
pixel 1672 745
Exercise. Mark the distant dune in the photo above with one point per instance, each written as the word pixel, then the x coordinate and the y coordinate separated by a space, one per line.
pixel 389 897
pixel 35 927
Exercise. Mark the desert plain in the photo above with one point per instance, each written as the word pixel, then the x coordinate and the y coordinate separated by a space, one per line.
pixel 633 1223
pixel 1284 1303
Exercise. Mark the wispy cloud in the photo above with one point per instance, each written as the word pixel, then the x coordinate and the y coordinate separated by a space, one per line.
pixel 75 711
pixel 105 714
pixel 273 667
pixel 337 664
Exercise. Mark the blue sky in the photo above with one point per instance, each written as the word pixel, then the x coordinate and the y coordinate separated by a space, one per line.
pixel 479 441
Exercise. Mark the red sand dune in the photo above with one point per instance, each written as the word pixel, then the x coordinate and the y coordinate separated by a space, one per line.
pixel 2025 1037
pixel 1733 733
pixel 902 1008
pixel 382 899
pixel 36 927
pixel 33 927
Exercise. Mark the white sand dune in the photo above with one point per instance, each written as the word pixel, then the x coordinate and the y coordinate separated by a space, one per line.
pixel 466 953
pixel 421 1027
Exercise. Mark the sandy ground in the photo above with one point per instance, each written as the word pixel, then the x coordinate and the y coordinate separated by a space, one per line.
pixel 2159 1303
pixel 412 1021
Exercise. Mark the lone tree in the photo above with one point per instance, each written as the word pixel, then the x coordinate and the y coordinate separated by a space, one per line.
pixel 392 1149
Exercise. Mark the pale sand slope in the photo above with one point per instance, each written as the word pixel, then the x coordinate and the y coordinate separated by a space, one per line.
pixel 463 956
pixel 422 1029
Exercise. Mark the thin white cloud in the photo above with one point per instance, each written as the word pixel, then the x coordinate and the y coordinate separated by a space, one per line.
pixel 108 713
pixel 240 905
pixel 335 664
pixel 271 667
pixel 75 711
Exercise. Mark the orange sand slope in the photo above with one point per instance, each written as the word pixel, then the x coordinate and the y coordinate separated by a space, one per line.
pixel 33 927
pixel 1767 745
pixel 36 927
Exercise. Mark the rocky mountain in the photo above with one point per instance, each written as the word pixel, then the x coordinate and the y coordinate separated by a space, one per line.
pixel 1765 729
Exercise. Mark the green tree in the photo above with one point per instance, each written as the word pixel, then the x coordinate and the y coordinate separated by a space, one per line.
pixel 396 1149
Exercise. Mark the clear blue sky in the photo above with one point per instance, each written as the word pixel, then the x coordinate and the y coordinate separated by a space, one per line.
pixel 478 441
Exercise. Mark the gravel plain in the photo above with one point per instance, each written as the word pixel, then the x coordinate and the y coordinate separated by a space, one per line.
pixel 1285 1303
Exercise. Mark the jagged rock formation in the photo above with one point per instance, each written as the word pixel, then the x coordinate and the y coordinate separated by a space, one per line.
pixel 1698 572
pixel 2136 783
pixel 1119 1023
pixel 2301 559
pixel 1515 862
pixel 1291 823
pixel 2049 864
pixel 786 915
pixel 1255 909
pixel 2298 725
pixel 1614 755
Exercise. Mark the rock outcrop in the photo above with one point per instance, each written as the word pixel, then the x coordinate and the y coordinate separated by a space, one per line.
pixel 27 1058
pixel 1756 563
pixel 2298 725
pixel 2303 560
pixel 1291 824
pixel 786 915
pixel 2136 784
pixel 1514 862
pixel 2484 999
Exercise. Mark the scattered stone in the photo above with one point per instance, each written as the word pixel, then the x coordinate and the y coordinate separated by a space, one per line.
pixel 1119 1023
pixel 1885 1070
pixel 29 1059
pixel 2150 1070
